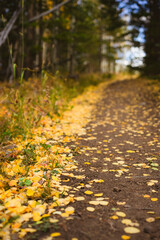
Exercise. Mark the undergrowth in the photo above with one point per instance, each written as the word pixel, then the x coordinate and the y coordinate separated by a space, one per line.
pixel 22 105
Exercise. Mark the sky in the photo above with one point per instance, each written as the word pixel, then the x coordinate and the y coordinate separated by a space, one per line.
pixel 133 56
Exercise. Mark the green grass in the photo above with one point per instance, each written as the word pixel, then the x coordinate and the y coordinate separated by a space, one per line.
pixel 24 104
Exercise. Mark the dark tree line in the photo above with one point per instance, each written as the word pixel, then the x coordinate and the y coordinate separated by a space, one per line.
pixel 69 39
pixel 77 36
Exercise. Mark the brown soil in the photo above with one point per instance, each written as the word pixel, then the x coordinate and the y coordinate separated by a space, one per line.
pixel 123 150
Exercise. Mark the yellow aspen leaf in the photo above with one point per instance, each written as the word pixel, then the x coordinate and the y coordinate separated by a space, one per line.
pixel 54 178
pixel 125 237
pixel 30 192
pixel 27 216
pixel 16 226
pixel 13 183
pixel 121 203
pixel 127 222
pixel 114 217
pixel 98 151
pixel 98 194
pixel 146 196
pixel 149 220
pixel 88 192
pixel 99 199
pixel 154 199
pixel 52 220
pixel 69 210
pixel 90 209
pixel 36 216
pixel 120 214
pixel 30 230
pixel 94 202
pixel 55 234
pixel 98 180
pixel 131 230
pixel 130 151
pixel 67 180
pixel 150 183
pixel 88 163
pixel 32 203
pixel 103 203
pixel 65 214
pixel 79 198
pixel 13 203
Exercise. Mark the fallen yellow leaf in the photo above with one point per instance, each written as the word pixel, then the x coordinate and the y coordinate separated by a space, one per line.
pixel 151 212
pixel 56 234
pixel 64 215
pixel 52 220
pixel 36 216
pixel 127 222
pixel 13 183
pixel 114 217
pixel 149 220
pixel 121 203
pixel 79 198
pixel 94 202
pixel 54 178
pixel 98 180
pixel 104 203
pixel 125 237
pixel 90 209
pixel 88 192
pixel 131 230
pixel 154 199
pixel 146 196
pixel 30 192
pixel 69 210
pixel 98 194
pixel 120 214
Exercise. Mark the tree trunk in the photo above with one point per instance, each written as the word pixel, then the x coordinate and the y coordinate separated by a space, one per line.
pixel 152 44
pixel 100 48
pixel 40 38
pixel 30 36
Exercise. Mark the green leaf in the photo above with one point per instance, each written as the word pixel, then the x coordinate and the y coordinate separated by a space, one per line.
pixel 153 168
pixel 154 164
pixel 24 182
pixel 27 182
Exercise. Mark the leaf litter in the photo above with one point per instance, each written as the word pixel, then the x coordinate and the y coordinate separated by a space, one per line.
pixel 31 188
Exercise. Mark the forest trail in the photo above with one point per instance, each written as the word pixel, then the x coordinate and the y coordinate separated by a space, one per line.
pixel 90 174
pixel 119 154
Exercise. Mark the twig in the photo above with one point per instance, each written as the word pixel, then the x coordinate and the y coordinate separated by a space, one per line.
pixel 49 11
pixel 4 33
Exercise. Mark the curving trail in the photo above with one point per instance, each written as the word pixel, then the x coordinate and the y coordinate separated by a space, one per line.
pixel 119 157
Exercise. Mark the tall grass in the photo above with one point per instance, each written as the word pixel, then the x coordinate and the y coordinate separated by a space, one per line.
pixel 23 106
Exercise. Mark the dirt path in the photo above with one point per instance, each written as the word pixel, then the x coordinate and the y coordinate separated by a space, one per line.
pixel 119 158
